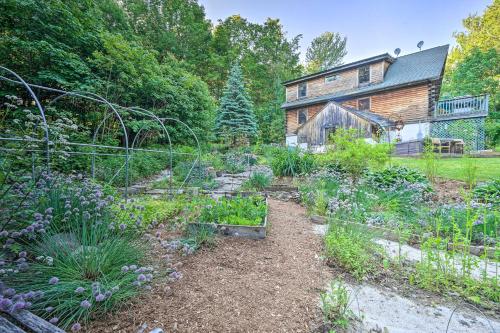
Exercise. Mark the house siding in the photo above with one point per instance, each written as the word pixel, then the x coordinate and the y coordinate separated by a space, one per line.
pixel 292 117
pixel 346 80
pixel 411 103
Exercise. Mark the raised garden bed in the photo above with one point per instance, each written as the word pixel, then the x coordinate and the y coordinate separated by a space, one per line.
pixel 235 230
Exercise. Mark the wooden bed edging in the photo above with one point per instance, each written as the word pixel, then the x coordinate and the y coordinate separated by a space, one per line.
pixel 28 320
pixel 246 231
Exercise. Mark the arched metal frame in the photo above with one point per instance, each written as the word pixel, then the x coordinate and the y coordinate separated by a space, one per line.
pixel 115 111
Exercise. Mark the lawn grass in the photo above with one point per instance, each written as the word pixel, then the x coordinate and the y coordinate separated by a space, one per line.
pixel 453 168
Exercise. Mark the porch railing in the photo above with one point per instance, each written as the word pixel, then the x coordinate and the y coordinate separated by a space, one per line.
pixel 466 105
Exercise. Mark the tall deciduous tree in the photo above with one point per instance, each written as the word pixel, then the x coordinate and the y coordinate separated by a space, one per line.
pixel 326 51
pixel 235 117
pixel 473 66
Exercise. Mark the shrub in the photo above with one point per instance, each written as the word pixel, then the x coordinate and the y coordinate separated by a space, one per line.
pixel 355 155
pixel 67 261
pixel 291 162
pixel 237 211
pixel 257 181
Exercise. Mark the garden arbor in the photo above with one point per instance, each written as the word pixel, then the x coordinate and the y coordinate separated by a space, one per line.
pixel 34 127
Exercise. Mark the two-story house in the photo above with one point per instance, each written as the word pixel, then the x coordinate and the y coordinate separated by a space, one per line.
pixel 374 95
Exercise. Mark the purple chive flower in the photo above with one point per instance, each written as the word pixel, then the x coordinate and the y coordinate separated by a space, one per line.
pixel 49 309
pixel 79 290
pixel 29 295
pixel 76 327
pixel 22 254
pixel 18 306
pixel 133 267
pixel 9 292
pixel 38 216
pixel 125 269
pixel 53 280
pixel 100 298
pixel 85 304
pixel 5 304
pixel 107 294
pixel 30 228
pixel 4 233
pixel 141 277
pixel 49 210
pixel 53 320
pixel 122 227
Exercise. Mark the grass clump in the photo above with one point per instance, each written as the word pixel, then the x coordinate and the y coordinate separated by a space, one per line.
pixel 257 181
pixel 72 259
pixel 291 162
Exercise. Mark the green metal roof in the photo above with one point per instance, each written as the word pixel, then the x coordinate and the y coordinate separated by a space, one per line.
pixel 422 66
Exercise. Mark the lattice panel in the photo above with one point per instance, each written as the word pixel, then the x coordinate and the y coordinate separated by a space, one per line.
pixel 470 130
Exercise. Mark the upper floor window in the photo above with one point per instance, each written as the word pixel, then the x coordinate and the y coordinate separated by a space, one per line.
pixel 364 104
pixel 302 90
pixel 331 78
pixel 364 74
pixel 302 116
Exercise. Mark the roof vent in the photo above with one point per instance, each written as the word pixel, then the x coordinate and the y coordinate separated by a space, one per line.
pixel 420 44
pixel 397 51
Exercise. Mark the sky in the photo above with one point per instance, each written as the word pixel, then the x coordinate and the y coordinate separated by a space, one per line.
pixel 371 27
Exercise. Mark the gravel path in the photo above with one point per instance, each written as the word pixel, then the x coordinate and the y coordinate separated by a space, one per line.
pixel 241 285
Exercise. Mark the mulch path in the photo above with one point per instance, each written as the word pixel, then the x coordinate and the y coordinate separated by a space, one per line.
pixel 240 285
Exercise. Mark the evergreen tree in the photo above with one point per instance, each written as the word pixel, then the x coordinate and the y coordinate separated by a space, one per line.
pixel 235 118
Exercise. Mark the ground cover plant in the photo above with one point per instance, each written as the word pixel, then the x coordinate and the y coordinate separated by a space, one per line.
pixel 239 210
pixel 65 257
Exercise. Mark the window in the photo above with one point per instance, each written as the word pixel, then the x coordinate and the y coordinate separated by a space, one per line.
pixel 302 90
pixel 364 104
pixel 364 74
pixel 331 78
pixel 302 116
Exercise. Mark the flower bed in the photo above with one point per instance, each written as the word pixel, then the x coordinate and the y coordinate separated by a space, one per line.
pixel 232 216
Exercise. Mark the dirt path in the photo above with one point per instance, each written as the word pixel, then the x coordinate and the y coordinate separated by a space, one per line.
pixel 241 285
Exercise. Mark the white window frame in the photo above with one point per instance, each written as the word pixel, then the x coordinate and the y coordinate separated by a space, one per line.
pixel 307 89
pixel 369 98
pixel 334 76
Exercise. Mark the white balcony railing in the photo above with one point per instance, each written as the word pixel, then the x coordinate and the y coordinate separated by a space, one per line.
pixel 462 106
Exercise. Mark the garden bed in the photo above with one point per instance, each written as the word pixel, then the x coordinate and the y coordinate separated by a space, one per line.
pixel 233 229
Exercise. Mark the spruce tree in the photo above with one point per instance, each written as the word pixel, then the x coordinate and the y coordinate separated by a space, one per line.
pixel 235 117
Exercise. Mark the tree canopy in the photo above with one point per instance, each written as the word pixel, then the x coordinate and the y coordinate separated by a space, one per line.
pixel 326 51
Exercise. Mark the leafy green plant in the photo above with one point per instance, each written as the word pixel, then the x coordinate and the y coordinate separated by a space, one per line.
pixel 352 248
pixel 488 192
pixel 237 211
pixel 335 304
pixel 151 210
pixel 395 176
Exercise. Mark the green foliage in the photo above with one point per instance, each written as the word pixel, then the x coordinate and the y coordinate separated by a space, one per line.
pixel 355 155
pixel 470 171
pixel 352 248
pixel 237 211
pixel 396 176
pixel 335 304
pixel 257 181
pixel 291 162
pixel 488 192
pixel 151 210
pixel 326 51
pixel 235 117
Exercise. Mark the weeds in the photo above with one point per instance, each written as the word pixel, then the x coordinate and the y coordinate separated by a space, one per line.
pixel 335 304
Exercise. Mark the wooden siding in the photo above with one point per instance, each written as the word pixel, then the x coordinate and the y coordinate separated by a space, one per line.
pixel 411 103
pixel 346 80
pixel 314 132
pixel 292 117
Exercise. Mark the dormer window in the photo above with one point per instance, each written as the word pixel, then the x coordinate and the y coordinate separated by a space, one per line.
pixel 302 90
pixel 364 75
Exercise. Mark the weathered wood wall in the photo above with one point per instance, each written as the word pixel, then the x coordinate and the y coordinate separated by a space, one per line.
pixel 314 132
pixel 292 117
